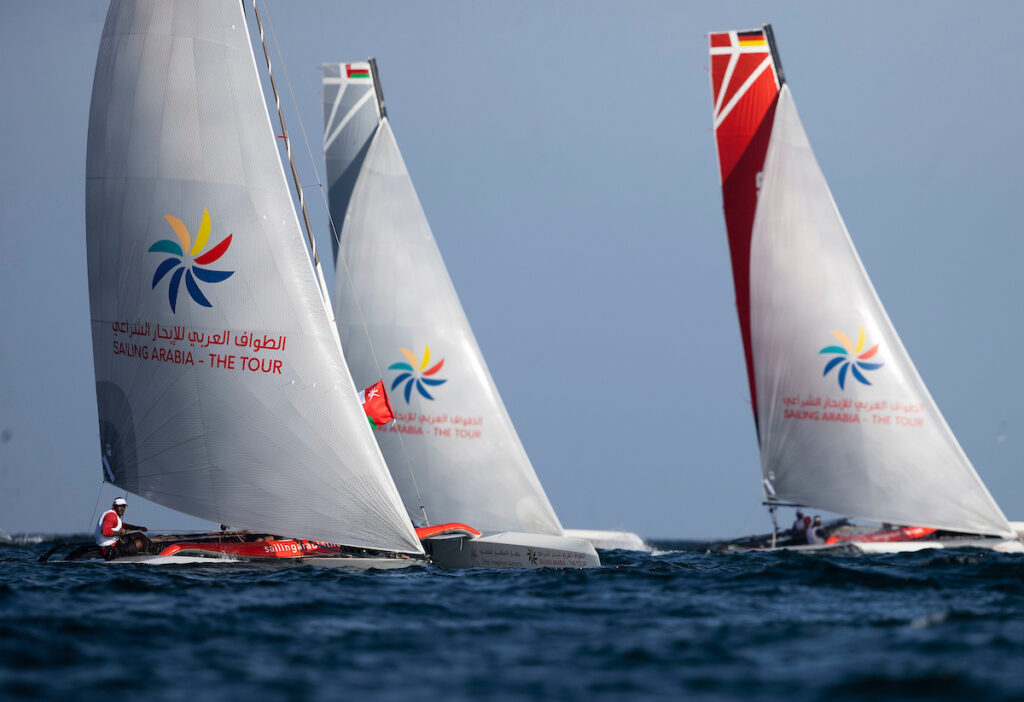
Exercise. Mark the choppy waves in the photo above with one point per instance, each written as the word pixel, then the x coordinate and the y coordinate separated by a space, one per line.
pixel 673 624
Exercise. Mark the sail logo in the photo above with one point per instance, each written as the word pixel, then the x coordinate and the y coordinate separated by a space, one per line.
pixel 850 359
pixel 189 265
pixel 415 374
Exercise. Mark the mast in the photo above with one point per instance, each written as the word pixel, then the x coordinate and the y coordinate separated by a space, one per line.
pixel 769 35
pixel 382 109
pixel 291 162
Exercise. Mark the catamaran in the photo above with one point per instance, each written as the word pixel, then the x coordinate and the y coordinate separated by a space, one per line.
pixel 221 383
pixel 454 450
pixel 844 422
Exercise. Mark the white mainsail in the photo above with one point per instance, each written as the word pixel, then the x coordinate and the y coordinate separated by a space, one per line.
pixel 845 422
pixel 465 455
pixel 221 384
pixel 876 446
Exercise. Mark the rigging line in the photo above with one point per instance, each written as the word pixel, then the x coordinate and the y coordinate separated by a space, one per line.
pixel 291 91
pixel 302 128
pixel 746 517
pixel 291 159
pixel 334 230
pixel 92 520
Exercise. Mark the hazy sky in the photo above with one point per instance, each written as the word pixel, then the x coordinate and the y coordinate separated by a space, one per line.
pixel 564 157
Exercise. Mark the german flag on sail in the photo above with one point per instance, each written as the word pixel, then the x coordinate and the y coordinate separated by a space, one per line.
pixel 754 38
pixel 356 71
pixel 376 405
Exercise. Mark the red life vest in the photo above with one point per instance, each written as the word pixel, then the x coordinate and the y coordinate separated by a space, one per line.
pixel 107 528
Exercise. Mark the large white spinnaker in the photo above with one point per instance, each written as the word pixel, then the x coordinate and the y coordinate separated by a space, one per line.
pixel 466 457
pixel 222 389
pixel 846 423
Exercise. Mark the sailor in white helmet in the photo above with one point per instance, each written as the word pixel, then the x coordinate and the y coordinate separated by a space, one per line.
pixel 113 537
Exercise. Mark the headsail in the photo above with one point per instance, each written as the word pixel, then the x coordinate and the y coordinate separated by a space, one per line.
pixel 222 388
pixel 845 422
pixel 468 461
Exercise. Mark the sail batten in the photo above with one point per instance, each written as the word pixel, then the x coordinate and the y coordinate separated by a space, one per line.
pixel 221 385
pixel 453 428
pixel 843 419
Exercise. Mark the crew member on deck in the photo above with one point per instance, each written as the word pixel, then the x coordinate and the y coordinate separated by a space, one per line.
pixel 113 537
pixel 798 530
pixel 814 534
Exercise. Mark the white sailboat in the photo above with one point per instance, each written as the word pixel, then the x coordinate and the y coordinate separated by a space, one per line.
pixel 454 449
pixel 221 384
pixel 844 421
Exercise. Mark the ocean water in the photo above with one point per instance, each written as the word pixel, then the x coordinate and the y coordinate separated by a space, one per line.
pixel 676 624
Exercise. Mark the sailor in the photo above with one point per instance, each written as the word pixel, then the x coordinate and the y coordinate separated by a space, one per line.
pixel 797 531
pixel 113 537
pixel 815 535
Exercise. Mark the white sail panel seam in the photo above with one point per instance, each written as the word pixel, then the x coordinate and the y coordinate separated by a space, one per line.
pixel 335 106
pixel 724 87
pixel 722 50
pixel 743 90
pixel 348 117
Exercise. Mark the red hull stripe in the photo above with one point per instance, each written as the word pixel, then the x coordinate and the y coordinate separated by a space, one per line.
pixel 284 548
pixel 905 534
pixel 449 528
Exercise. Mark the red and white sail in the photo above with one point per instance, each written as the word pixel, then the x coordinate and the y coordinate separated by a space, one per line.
pixel 844 421
pixel 745 87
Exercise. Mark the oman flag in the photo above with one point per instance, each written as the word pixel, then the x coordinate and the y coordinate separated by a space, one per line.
pixel 376 405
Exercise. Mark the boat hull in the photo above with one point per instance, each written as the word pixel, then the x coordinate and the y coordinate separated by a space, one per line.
pixel 511 550
pixel 610 540
pixel 218 548
pixel 859 548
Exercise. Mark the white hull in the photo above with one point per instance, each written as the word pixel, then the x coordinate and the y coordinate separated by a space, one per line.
pixel 512 550
pixel 1000 545
pixel 857 548
pixel 609 540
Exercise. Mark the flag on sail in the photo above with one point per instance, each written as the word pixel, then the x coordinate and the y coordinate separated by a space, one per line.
pixel 376 405
pixel 753 38
pixel 357 71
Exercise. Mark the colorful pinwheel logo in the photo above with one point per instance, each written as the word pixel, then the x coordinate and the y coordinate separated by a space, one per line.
pixel 188 265
pixel 851 358
pixel 413 374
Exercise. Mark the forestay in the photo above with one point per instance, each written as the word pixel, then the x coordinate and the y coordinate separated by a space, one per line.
pixel 464 452
pixel 845 421
pixel 221 384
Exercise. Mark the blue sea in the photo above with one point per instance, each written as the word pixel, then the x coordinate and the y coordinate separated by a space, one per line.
pixel 678 623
